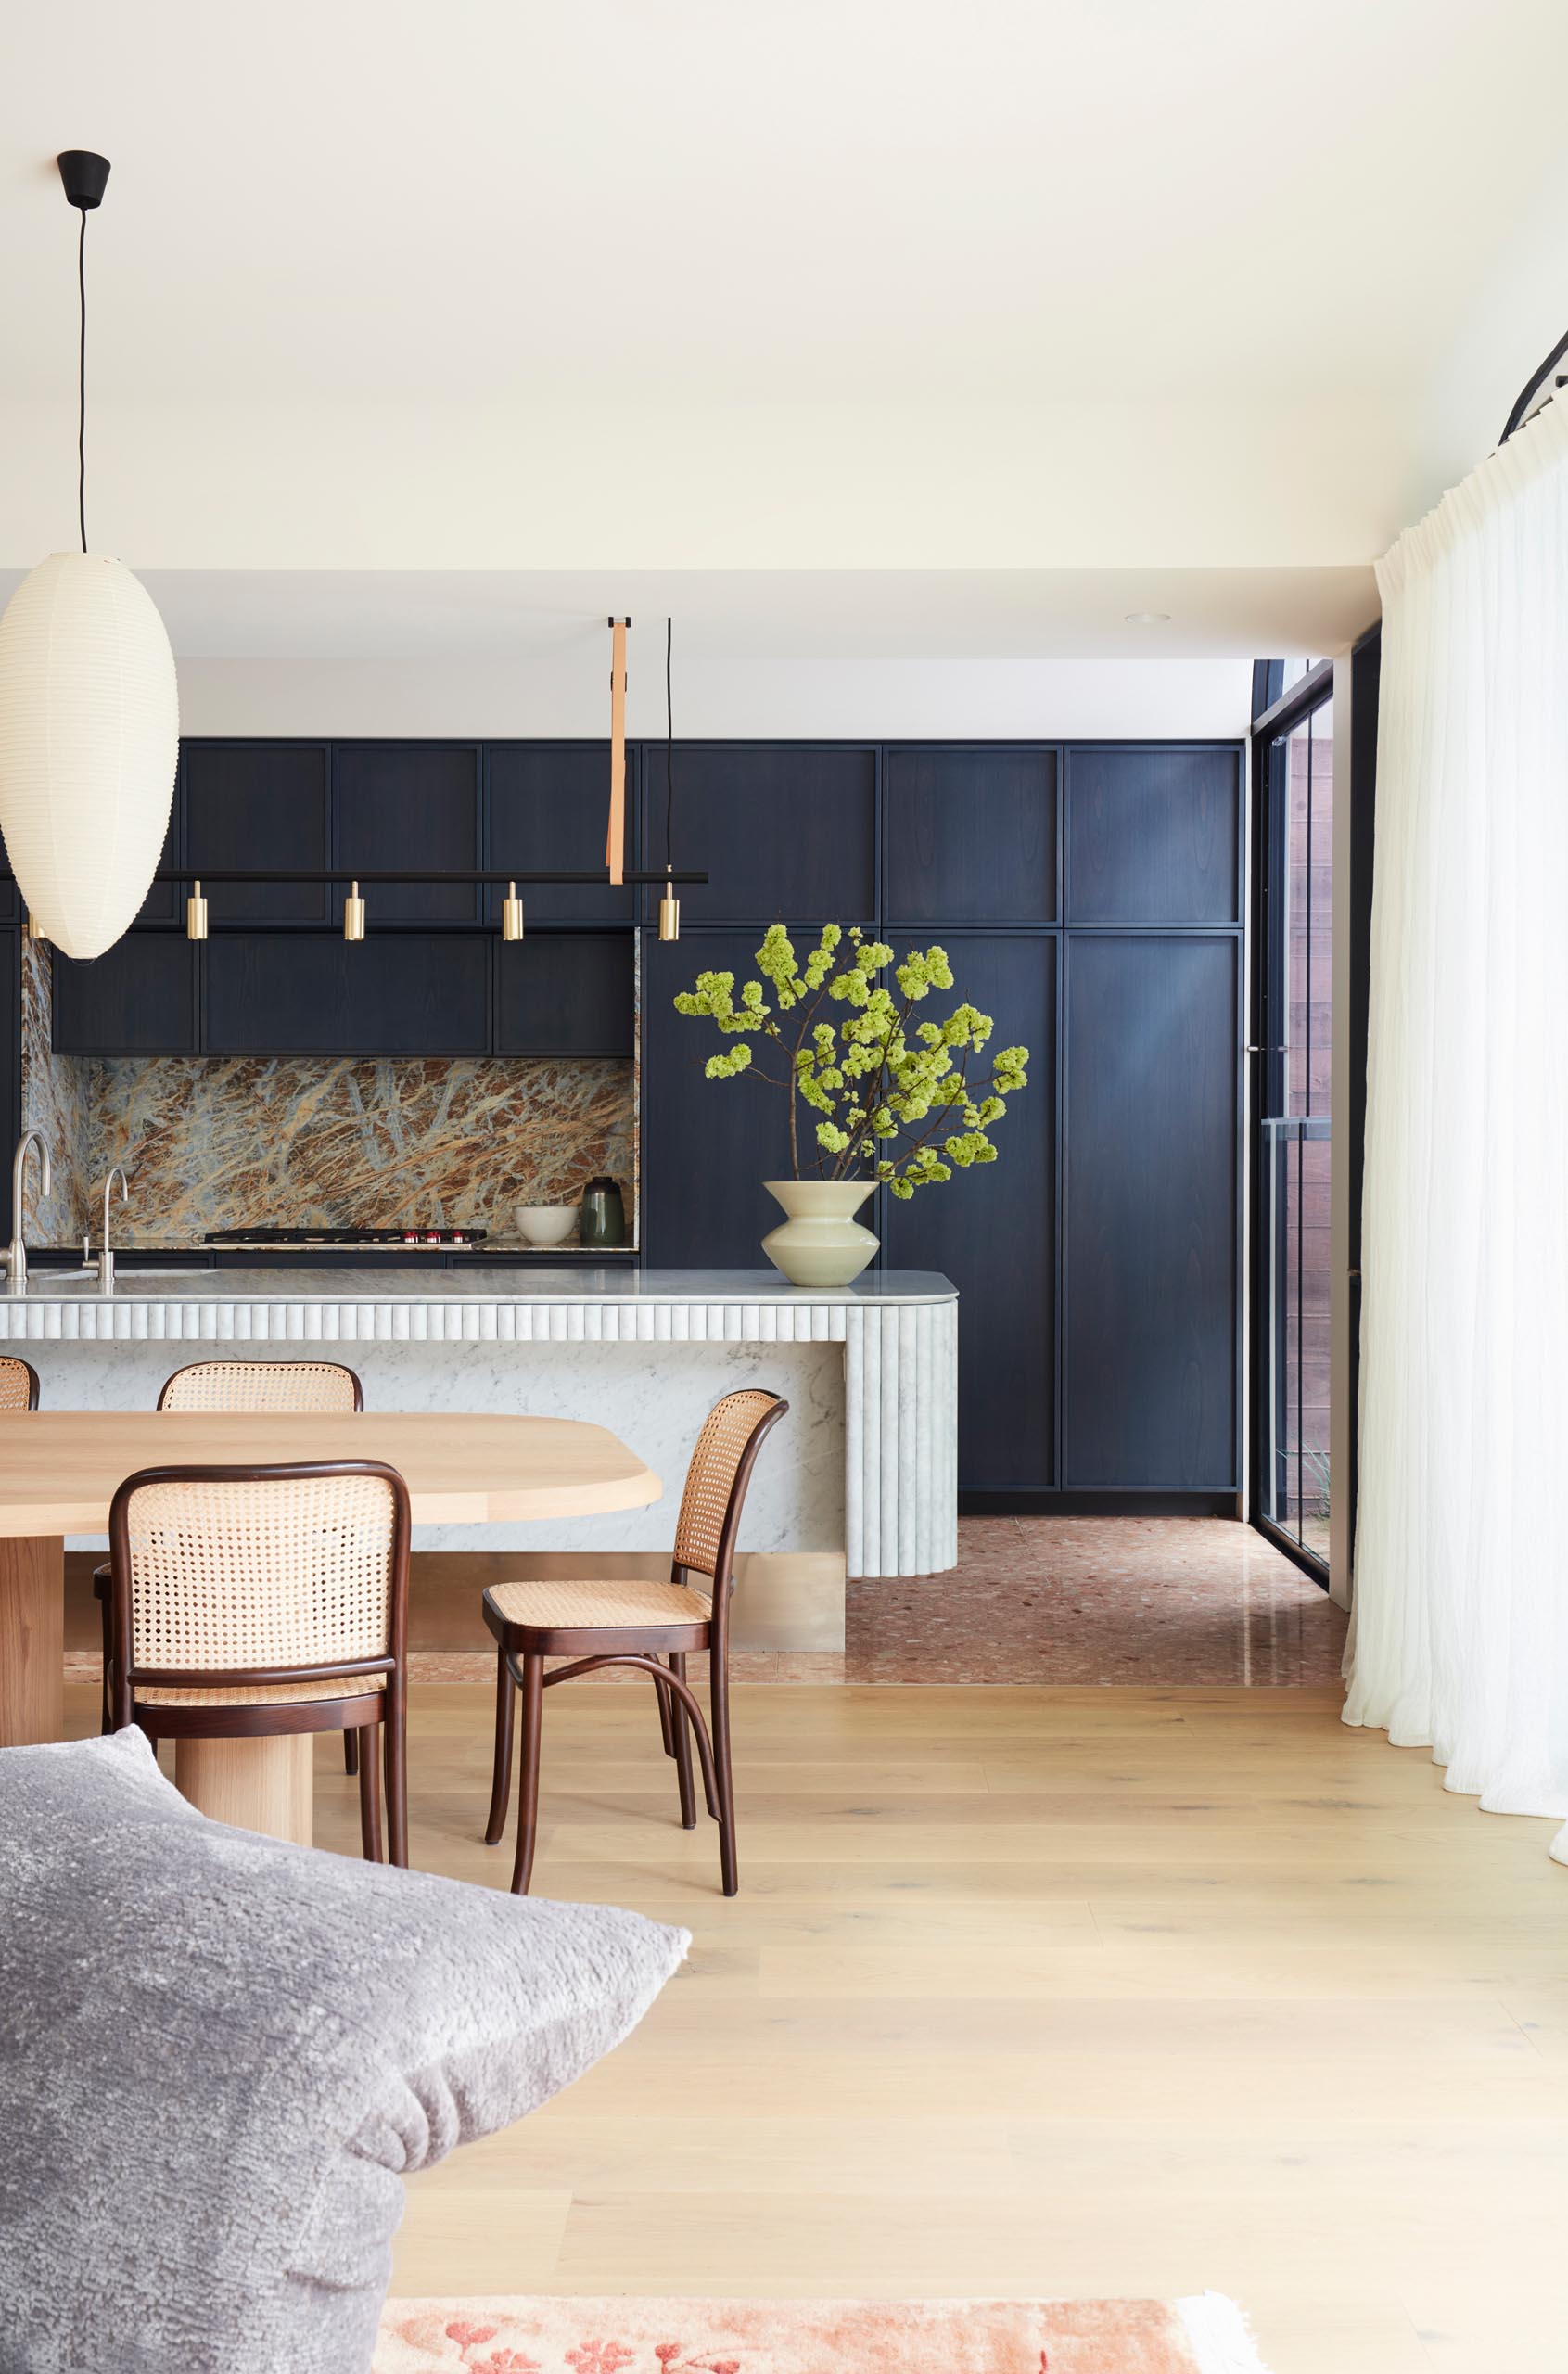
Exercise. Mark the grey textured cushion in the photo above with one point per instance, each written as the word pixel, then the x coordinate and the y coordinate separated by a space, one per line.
pixel 218 2053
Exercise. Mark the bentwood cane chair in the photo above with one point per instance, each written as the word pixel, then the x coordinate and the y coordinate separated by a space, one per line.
pixel 19 1385
pixel 651 1627
pixel 262 1602
pixel 263 1385
pixel 258 1384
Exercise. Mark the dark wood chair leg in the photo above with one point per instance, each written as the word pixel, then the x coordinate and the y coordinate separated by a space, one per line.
pixel 682 1750
pixel 370 1804
pixel 666 1718
pixel 395 1730
pixel 505 1723
pixel 350 1752
pixel 528 1785
pixel 106 1722
pixel 718 1701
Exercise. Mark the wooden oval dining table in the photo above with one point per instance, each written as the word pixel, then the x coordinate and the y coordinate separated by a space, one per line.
pixel 59 1470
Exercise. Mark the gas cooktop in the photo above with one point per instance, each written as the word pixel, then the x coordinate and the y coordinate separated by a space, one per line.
pixel 385 1239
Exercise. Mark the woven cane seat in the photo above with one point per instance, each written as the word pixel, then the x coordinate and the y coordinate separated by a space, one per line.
pixel 596 1604
pixel 282 1693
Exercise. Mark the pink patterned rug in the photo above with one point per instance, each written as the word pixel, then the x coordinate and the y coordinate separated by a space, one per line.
pixel 546 2336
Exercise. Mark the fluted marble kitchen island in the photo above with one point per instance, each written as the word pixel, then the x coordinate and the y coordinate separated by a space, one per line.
pixel 862 1478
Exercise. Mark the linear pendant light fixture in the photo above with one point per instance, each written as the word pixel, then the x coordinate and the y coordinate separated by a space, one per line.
pixel 89 710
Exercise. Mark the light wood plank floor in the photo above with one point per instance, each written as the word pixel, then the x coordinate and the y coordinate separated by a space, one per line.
pixel 1039 1991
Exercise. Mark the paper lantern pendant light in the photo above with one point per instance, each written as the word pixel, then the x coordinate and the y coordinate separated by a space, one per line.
pixel 89 721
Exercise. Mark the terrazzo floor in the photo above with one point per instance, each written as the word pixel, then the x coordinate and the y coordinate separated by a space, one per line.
pixel 1107 1599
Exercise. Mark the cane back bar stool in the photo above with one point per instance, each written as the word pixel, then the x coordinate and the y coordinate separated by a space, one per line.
pixel 597 1624
pixel 19 1385
pixel 249 1602
pixel 245 1385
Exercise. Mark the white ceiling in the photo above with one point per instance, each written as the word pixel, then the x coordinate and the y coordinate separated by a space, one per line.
pixel 801 614
pixel 1038 299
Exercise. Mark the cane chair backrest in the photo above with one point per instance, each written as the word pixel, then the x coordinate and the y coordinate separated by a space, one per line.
pixel 230 1571
pixel 262 1384
pixel 19 1385
pixel 713 1476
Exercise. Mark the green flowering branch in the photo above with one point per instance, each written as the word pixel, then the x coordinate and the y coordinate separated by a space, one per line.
pixel 892 1095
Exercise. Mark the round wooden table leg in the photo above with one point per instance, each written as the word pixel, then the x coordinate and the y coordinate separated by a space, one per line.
pixel 263 1784
pixel 32 1641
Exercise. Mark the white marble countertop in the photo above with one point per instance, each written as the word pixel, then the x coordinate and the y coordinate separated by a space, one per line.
pixel 877 1289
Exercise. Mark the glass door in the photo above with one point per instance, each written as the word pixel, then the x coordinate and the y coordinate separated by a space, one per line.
pixel 1293 1150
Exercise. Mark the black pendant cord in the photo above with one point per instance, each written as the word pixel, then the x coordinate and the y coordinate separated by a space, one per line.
pixel 81 384
pixel 668 746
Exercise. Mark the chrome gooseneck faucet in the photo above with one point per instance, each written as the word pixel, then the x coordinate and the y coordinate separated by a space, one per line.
pixel 15 1259
pixel 105 1257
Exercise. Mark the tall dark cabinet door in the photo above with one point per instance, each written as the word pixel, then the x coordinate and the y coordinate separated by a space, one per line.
pixel 971 837
pixel 257 804
pixel 1150 1323
pixel 708 1145
pixel 782 832
pixel 1153 835
pixel 992 1230
pixel 549 803
pixel 414 806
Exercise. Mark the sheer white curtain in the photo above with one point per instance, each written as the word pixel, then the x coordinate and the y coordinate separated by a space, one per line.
pixel 1460 1632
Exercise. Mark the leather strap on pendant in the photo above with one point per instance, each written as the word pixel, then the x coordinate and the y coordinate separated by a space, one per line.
pixel 615 839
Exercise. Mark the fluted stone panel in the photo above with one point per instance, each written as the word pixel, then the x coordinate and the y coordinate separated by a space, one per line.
pixel 899 1339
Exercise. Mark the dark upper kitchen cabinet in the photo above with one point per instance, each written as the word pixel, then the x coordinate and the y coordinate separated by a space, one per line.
pixel 971 837
pixel 782 831
pixel 708 1145
pixel 1153 835
pixel 565 993
pixel 415 806
pixel 165 900
pixel 317 994
pixel 138 998
pixel 1151 1121
pixel 548 808
pixel 992 1230
pixel 254 805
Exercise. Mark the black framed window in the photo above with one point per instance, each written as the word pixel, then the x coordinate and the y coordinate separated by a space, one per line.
pixel 1292 1148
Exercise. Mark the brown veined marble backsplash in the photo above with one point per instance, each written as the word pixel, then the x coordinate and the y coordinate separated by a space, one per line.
pixel 215 1142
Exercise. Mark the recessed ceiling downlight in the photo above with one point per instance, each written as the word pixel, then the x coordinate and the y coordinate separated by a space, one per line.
pixel 1148 618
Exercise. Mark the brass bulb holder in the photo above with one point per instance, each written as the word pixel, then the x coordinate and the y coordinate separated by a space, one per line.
pixel 35 928
pixel 196 914
pixel 668 912
pixel 353 914
pixel 511 913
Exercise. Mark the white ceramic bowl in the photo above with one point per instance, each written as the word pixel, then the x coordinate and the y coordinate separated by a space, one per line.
pixel 545 1223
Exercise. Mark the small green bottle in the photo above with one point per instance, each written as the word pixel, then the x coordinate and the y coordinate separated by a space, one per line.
pixel 604 1216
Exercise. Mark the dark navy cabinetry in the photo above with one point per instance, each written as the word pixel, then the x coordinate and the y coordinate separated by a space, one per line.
pixel 547 810
pixel 256 804
pixel 784 829
pixel 708 1146
pixel 1090 896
